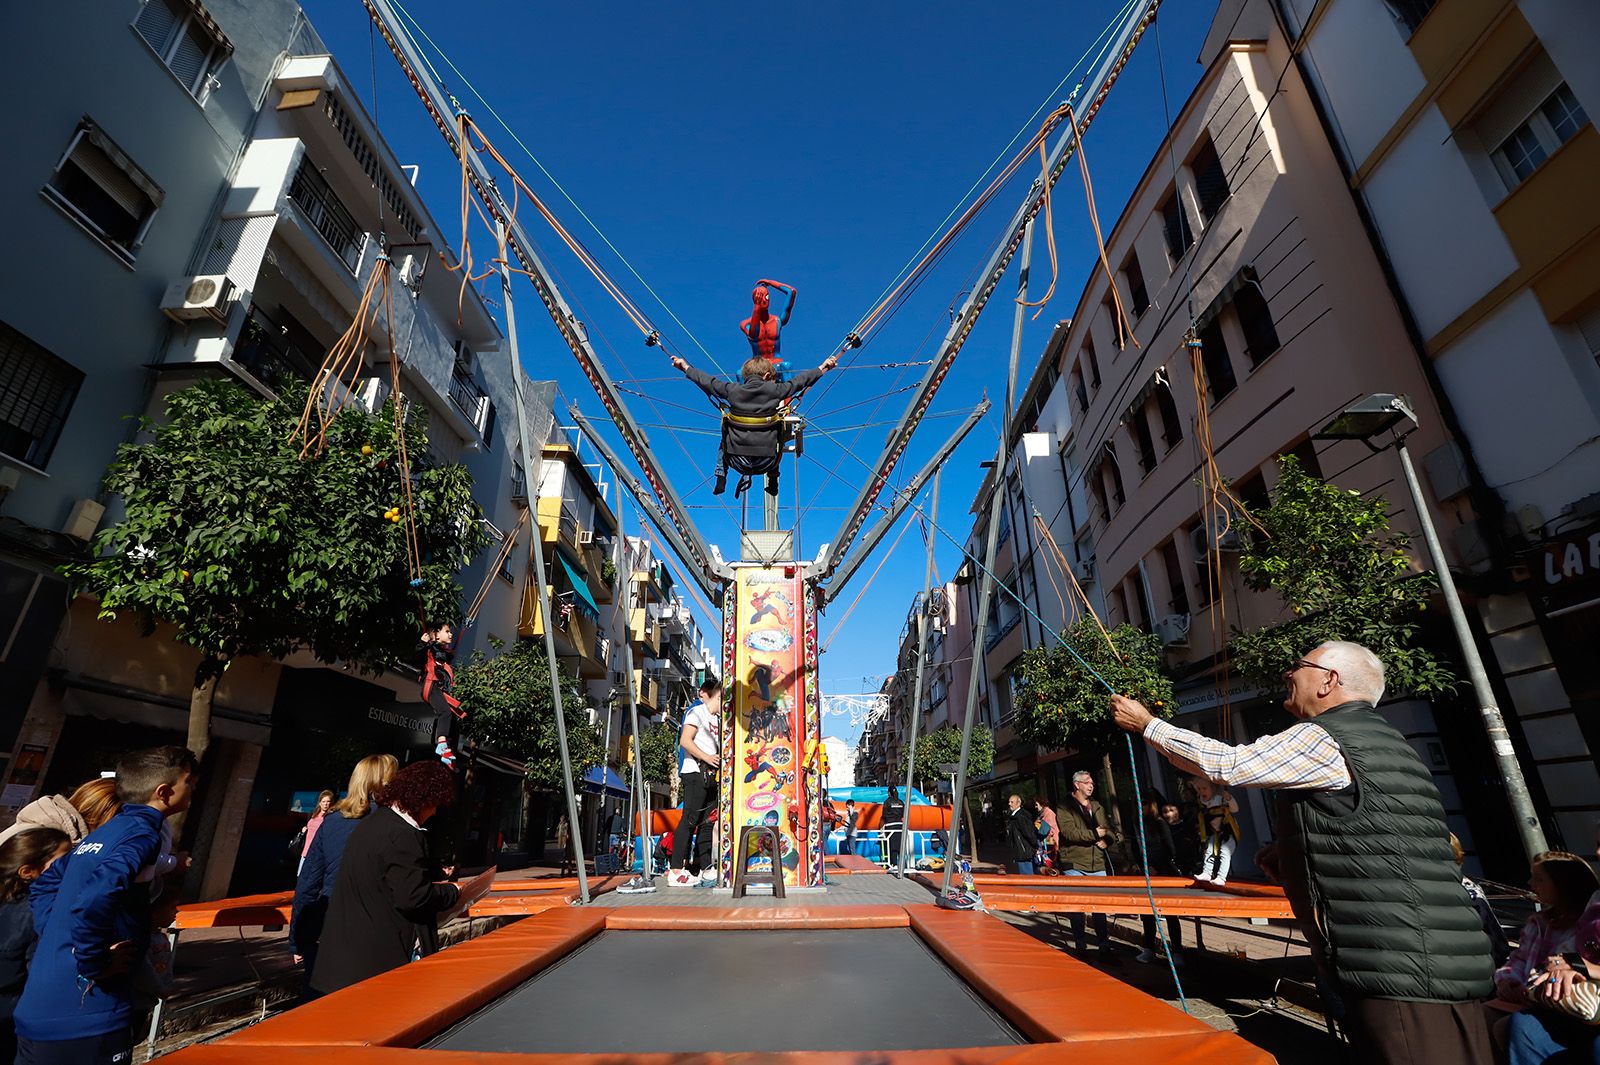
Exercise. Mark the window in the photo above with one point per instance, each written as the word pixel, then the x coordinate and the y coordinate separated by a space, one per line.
pixel 1205 561
pixel 519 481
pixel 1141 613
pixel 1079 391
pixel 186 40
pixel 1255 320
pixel 328 216
pixel 1171 424
pixel 36 392
pixel 1218 367
pixel 1094 363
pixel 1410 13
pixel 1306 452
pixel 1589 330
pixel 1252 492
pixel 1136 290
pixel 1551 125
pixel 1141 436
pixel 101 188
pixel 1118 496
pixel 1210 181
pixel 1175 226
pixel 1097 486
pixel 504 572
pixel 1119 606
pixel 1180 591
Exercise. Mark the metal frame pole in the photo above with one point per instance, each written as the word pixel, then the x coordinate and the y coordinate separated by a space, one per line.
pixel 1529 830
pixel 903 501
pixel 641 808
pixel 535 473
pixel 916 697
pixel 980 623
pixel 1098 85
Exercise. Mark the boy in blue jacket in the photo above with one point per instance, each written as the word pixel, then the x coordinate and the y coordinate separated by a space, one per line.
pixel 93 921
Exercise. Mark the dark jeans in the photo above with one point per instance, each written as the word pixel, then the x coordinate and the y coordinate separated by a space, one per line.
pixel 1535 1036
pixel 1174 933
pixel 112 1048
pixel 1102 931
pixel 699 799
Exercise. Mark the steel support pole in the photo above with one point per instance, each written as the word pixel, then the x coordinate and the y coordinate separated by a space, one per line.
pixel 533 463
pixel 997 495
pixel 641 807
pixel 916 698
pixel 1505 756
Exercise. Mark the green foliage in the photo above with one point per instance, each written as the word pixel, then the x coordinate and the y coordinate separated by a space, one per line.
pixel 511 710
pixel 944 745
pixel 658 749
pixel 1343 574
pixel 608 573
pixel 1060 704
pixel 249 549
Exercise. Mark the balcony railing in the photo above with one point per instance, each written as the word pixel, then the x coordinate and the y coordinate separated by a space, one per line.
pixel 468 397
pixel 330 218
pixel 265 350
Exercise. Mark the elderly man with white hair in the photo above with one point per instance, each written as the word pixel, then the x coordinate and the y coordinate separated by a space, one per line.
pixel 1363 854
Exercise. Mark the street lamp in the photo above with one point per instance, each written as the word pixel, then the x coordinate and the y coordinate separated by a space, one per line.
pixel 1384 413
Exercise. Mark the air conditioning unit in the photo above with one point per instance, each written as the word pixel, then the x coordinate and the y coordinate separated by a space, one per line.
pixel 1218 532
pixel 84 519
pixel 206 296
pixel 372 393
pixel 1084 571
pixel 1173 629
pixel 585 537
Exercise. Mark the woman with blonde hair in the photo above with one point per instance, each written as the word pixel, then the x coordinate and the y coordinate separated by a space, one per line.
pixel 79 814
pixel 319 871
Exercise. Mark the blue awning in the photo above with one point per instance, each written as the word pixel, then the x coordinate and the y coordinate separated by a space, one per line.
pixel 601 779
pixel 579 586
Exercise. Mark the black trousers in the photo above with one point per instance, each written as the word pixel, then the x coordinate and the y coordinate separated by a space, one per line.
pixel 699 799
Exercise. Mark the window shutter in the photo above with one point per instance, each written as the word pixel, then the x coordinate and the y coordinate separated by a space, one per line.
pixel 105 173
pixel 155 23
pixel 189 60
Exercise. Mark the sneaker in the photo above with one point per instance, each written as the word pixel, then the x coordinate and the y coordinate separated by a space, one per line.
pixel 1219 881
pixel 679 878
pixel 709 880
pixel 1146 957
pixel 637 886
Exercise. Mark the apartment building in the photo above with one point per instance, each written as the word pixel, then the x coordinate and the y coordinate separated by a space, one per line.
pixel 1465 131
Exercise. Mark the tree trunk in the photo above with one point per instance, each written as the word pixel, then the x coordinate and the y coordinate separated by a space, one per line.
pixel 201 696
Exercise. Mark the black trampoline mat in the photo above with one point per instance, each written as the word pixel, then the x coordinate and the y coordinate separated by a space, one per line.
pixel 821 989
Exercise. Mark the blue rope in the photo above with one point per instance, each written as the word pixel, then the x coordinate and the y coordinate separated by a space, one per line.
pixel 1138 792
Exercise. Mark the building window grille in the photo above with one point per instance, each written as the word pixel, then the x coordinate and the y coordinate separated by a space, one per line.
pixel 104 191
pixel 1210 180
pixel 1175 227
pixel 37 390
pixel 186 41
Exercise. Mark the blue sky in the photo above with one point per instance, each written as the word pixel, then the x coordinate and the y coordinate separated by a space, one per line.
pixel 819 145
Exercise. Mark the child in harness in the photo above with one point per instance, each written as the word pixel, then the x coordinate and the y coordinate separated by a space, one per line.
pixel 752 423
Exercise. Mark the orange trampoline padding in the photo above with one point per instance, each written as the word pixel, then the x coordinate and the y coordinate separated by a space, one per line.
pixel 845 864
pixel 869 817
pixel 245 911
pixel 1218 1048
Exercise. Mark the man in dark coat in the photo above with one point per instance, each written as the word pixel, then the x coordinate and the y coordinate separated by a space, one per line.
pixel 386 903
pixel 752 435
pixel 1022 836
pixel 1364 856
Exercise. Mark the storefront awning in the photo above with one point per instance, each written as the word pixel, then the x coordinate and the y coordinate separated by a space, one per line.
pixel 579 586
pixel 601 779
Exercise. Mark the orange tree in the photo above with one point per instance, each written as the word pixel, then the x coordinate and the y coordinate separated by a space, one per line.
pixel 1059 703
pixel 245 548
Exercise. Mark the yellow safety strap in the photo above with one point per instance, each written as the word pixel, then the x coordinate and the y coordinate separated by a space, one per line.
pixel 755 422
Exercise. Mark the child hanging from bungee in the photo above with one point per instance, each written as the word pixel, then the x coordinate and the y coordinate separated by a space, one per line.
pixel 438 650
pixel 1219 831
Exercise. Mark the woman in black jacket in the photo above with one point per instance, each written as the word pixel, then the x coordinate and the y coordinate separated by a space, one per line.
pixel 386 904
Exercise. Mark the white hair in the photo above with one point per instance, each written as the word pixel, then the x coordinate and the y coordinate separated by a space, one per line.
pixel 1083 774
pixel 1360 671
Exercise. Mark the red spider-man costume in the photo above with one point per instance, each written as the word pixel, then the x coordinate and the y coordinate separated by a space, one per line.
pixel 764 331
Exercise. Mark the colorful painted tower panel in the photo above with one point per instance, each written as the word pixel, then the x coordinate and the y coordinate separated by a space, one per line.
pixel 771 721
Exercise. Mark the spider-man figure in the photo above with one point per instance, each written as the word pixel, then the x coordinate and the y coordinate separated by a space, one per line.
pixel 765 332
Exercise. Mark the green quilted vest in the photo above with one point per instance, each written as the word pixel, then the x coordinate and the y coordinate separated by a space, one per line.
pixel 1370 874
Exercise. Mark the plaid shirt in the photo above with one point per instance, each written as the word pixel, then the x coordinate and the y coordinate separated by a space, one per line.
pixel 1302 756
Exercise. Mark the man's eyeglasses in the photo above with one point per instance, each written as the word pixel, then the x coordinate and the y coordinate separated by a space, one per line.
pixel 1304 663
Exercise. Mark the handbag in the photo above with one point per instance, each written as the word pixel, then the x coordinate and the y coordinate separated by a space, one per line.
pixel 1581 1002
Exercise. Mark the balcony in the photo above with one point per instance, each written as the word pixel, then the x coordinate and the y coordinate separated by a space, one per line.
pixel 469 397
pixel 642 630
pixel 267 350
pixel 649 689
pixel 322 210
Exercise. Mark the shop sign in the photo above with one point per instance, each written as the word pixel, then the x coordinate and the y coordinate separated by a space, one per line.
pixel 1566 570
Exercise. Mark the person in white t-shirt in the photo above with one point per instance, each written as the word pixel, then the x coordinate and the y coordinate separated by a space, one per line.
pixel 699 760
